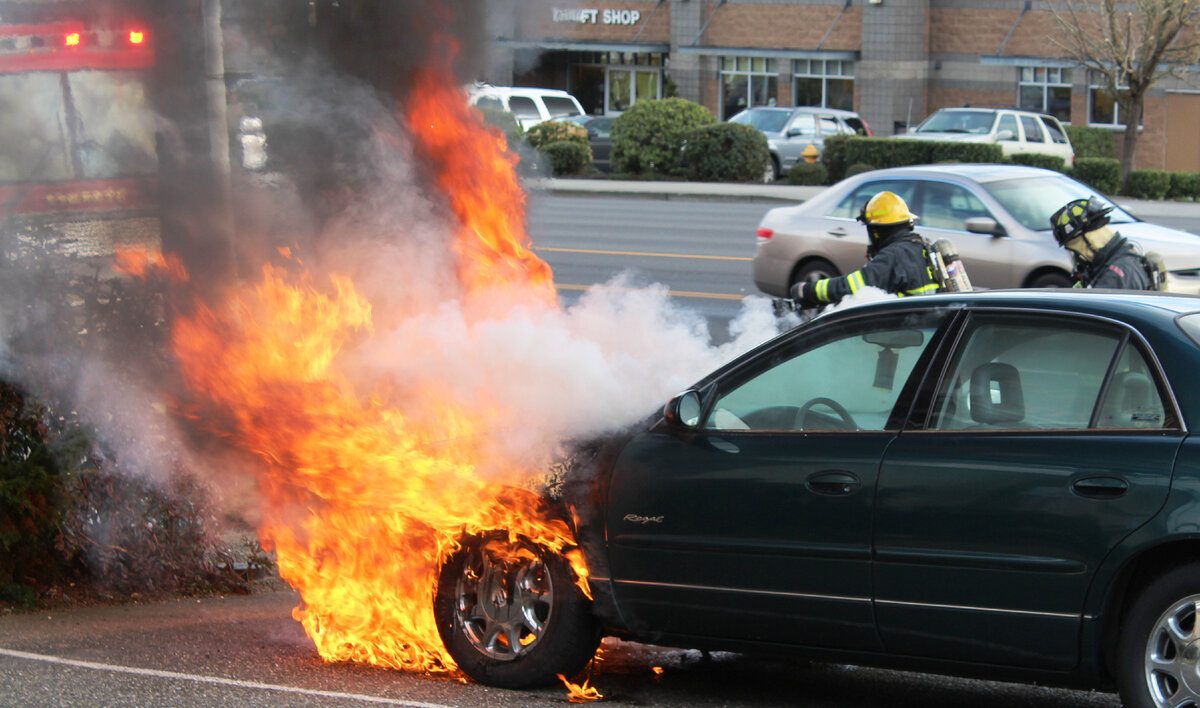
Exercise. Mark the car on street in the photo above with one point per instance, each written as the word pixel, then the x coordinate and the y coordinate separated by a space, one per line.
pixel 1000 483
pixel 599 131
pixel 528 106
pixel 1015 131
pixel 790 131
pixel 998 217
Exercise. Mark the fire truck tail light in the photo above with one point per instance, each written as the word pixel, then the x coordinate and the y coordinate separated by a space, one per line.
pixel 137 37
pixel 72 39
pixel 764 233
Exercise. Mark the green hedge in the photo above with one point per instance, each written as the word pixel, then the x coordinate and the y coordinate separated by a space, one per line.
pixel 966 152
pixel 858 168
pixel 1092 142
pixel 1149 184
pixel 1184 185
pixel 1101 173
pixel 568 157
pixel 648 137
pixel 1049 162
pixel 833 156
pixel 552 131
pixel 891 152
pixel 807 173
pixel 726 152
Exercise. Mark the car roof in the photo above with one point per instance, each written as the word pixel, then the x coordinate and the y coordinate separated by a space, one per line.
pixel 1125 305
pixel 979 172
pixel 517 91
pixel 805 109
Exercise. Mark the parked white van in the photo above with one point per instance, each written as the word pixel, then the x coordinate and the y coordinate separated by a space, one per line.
pixel 1015 131
pixel 529 106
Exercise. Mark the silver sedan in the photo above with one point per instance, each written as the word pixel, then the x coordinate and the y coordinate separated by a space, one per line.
pixel 998 217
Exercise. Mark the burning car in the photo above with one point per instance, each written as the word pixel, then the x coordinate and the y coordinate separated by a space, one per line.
pixel 995 483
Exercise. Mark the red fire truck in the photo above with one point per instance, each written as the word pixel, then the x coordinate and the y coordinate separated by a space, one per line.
pixel 78 158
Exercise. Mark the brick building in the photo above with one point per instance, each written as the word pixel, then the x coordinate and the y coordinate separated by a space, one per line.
pixel 893 61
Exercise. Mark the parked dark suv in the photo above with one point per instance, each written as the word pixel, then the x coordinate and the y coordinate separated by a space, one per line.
pixel 997 483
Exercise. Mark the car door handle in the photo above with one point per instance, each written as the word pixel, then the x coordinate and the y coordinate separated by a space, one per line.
pixel 1100 487
pixel 839 232
pixel 832 483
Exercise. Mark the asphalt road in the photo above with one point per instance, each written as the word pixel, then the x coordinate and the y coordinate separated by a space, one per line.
pixel 248 651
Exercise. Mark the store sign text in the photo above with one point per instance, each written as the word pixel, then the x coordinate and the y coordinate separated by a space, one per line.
pixel 593 16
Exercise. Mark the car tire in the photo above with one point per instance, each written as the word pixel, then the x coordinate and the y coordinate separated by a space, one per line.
pixel 1052 279
pixel 510 614
pixel 1158 652
pixel 814 270
pixel 771 171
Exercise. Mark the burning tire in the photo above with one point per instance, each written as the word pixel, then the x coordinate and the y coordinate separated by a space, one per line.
pixel 511 614
pixel 1158 658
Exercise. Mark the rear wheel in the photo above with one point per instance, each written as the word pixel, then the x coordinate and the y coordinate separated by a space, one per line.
pixel 1158 655
pixel 510 614
pixel 771 171
pixel 814 270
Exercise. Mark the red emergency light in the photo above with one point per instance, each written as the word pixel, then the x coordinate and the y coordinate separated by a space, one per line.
pixel 72 39
pixel 137 37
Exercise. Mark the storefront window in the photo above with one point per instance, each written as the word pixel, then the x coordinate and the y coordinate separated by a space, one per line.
pixel 747 82
pixel 828 83
pixel 611 82
pixel 1045 90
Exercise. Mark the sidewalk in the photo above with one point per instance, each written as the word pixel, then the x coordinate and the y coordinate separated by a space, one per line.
pixel 782 193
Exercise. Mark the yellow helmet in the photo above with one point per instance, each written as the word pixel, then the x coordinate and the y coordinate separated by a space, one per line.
pixel 886 209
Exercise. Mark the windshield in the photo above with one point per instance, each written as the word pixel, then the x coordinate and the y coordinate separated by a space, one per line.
pixel 1032 200
pixel 977 122
pixel 109 133
pixel 768 120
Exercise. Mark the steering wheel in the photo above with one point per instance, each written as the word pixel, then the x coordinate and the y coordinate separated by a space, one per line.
pixel 836 407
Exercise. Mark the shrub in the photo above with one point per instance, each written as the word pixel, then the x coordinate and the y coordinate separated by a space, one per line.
pixel 552 131
pixel 1149 184
pixel 568 157
pixel 833 156
pixel 1092 142
pixel 858 168
pixel 1100 173
pixel 726 152
pixel 1049 162
pixel 648 137
pixel 888 152
pixel 966 152
pixel 1184 185
pixel 807 173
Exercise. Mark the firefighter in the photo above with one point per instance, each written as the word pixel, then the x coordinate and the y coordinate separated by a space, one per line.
pixel 897 260
pixel 1103 258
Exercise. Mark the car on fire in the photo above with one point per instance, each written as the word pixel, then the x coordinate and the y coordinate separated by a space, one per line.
pixel 998 217
pixel 999 483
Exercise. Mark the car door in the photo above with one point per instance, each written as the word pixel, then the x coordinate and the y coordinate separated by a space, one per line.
pixel 844 238
pixel 756 523
pixel 1049 440
pixel 943 208
pixel 798 135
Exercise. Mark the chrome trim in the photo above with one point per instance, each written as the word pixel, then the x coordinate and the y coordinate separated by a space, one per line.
pixel 996 610
pixel 772 593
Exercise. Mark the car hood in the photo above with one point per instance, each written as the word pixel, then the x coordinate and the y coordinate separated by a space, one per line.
pixel 1179 249
pixel 945 137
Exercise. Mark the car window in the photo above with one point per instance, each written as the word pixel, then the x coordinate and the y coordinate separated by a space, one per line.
pixel 851 205
pixel 948 206
pixel 602 126
pixel 560 106
pixel 1033 129
pixel 1034 373
pixel 1057 134
pixel 1008 122
pixel 851 381
pixel 803 124
pixel 828 125
pixel 1031 200
pixel 769 120
pixel 523 107
pixel 857 126
pixel 978 122
pixel 489 103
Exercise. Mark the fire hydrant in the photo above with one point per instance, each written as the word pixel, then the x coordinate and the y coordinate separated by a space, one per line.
pixel 810 153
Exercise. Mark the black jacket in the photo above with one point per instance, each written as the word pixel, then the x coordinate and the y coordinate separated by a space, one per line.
pixel 1117 265
pixel 900 266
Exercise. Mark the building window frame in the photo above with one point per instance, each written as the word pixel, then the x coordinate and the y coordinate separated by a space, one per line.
pixel 746 82
pixel 1045 89
pixel 825 71
pixel 1107 103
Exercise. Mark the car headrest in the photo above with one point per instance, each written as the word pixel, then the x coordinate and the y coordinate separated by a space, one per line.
pixel 996 396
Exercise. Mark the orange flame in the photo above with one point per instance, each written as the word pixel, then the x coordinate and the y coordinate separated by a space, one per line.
pixel 140 262
pixel 580 693
pixel 362 501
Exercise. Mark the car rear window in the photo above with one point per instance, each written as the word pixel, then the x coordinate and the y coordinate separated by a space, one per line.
pixel 857 125
pixel 559 106
pixel 523 107
pixel 1190 324
pixel 1056 132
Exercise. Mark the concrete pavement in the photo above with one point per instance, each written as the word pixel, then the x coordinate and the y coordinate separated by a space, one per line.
pixel 780 192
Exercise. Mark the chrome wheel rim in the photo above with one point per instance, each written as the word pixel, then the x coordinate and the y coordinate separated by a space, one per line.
pixel 504 598
pixel 1173 656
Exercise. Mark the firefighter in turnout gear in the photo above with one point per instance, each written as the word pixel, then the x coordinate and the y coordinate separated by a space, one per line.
pixel 897 259
pixel 1103 258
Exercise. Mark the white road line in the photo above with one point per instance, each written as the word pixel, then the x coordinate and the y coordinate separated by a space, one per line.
pixel 214 680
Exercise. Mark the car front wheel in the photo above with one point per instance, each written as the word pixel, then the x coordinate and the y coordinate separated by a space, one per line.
pixel 1158 657
pixel 511 615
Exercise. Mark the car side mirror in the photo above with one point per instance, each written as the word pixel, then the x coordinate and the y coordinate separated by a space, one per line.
pixel 984 225
pixel 1005 135
pixel 684 409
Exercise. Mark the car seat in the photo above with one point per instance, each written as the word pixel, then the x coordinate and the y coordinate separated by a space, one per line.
pixel 996 395
pixel 1131 403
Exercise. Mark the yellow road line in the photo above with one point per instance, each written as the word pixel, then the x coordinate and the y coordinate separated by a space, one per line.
pixel 639 253
pixel 672 293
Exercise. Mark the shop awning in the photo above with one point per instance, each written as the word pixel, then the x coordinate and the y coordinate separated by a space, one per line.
pixel 577 46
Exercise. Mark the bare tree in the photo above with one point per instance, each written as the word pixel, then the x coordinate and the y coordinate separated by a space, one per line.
pixel 1132 45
